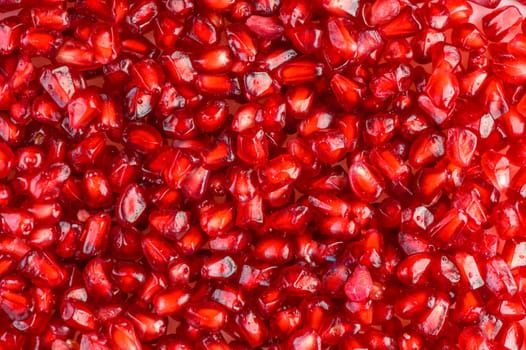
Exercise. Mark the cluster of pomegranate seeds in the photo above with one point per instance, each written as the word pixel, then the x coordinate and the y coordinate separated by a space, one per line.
pixel 271 174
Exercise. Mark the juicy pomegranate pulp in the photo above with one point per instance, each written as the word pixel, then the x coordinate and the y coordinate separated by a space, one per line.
pixel 271 174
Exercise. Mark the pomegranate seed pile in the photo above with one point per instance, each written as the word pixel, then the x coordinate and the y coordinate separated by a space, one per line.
pixel 263 174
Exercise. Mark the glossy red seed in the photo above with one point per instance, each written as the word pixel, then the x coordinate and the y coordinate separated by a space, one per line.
pixel 96 189
pixel 347 91
pixel 206 316
pixel 460 146
pixel 219 268
pixel 94 236
pixel 341 38
pixel 167 30
pixel 241 43
pixel 122 335
pixel 142 137
pixel 359 285
pixel 382 12
pixel 498 23
pixel 428 147
pixel 128 276
pixel 496 168
pixel 158 252
pixel 509 68
pixel 367 184
pixel 170 223
pixel 97 280
pixel 252 327
pixel 298 281
pixel 307 339
pixel 40 41
pixel 78 315
pixel 58 83
pixel 10 28
pixel 432 322
pixel 415 269
pixel 404 25
pixel 83 108
pixel 170 301
pixel 53 18
pixel 131 205
pixel 230 297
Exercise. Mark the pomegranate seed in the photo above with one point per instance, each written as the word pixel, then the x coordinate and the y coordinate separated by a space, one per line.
pixel 304 339
pixel 403 25
pixel 206 316
pixel 148 326
pixel 52 18
pixel 241 43
pixel 347 91
pixel 131 205
pixel 499 22
pixel 230 297
pixel 94 236
pixel 180 7
pixel 365 182
pixel 122 335
pixel 10 29
pixel 40 41
pixel 142 137
pixel 170 301
pixel 266 27
pixel 358 286
pixel 382 12
pixel 220 268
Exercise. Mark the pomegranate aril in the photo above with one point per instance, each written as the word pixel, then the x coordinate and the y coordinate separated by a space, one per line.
pixel 499 22
pixel 428 147
pixel 52 18
pixel 158 252
pixel 94 236
pixel 148 326
pixel 180 7
pixel 96 189
pixel 10 29
pixel 83 107
pixel 15 305
pixel 142 137
pixel 122 335
pixel 233 242
pixel 220 85
pixel 295 12
pixel 78 315
pixel 179 67
pixel 170 301
pixel 206 316
pixel 128 276
pixel 381 12
pixel 218 219
pixel 219 268
pixel 512 253
pixel 304 338
pixel 97 280
pixel 148 75
pixel 43 269
pixel 40 41
pixel 241 43
pixel 365 181
pixel 403 25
